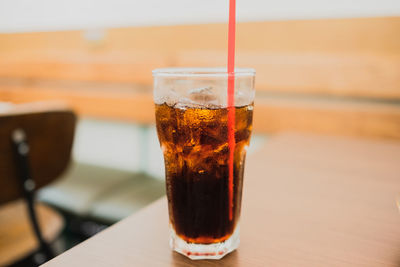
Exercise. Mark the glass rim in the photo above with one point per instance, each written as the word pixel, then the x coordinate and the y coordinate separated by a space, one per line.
pixel 201 72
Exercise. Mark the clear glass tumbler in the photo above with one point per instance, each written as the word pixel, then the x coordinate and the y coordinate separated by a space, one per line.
pixel 192 125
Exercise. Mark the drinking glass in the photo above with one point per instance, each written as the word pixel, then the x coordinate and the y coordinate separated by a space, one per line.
pixel 204 202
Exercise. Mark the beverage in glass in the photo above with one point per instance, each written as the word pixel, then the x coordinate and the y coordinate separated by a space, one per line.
pixel 192 126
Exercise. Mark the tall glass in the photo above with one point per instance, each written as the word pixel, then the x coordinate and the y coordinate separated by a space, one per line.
pixel 192 126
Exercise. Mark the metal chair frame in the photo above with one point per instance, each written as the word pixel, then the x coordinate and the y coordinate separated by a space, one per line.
pixel 21 153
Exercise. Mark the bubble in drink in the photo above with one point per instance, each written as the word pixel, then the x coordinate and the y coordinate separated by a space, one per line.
pixel 195 146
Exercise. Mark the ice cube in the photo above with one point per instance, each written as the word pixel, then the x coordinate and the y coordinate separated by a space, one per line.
pixel 201 90
pixel 202 95
pixel 172 98
pixel 241 99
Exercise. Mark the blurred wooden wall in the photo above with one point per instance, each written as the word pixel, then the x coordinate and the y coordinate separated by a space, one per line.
pixel 333 76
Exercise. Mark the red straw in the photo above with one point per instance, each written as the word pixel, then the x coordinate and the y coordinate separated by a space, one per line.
pixel 231 98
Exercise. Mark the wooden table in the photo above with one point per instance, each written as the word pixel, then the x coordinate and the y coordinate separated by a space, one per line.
pixel 308 201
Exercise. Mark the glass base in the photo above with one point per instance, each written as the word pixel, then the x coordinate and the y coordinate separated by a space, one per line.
pixel 214 251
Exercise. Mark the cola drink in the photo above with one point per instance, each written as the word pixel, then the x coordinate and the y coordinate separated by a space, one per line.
pixel 194 140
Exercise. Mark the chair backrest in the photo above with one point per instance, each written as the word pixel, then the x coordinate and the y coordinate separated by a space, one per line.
pixel 49 129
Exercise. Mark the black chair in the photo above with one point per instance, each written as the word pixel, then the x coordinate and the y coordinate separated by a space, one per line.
pixel 35 149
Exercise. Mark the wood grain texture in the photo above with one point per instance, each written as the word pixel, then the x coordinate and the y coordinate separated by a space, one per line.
pixel 130 104
pixel 272 114
pixel 346 74
pixel 356 57
pixel 327 116
pixel 17 239
pixel 49 130
pixel 308 201
pixel 367 35
pixel 334 76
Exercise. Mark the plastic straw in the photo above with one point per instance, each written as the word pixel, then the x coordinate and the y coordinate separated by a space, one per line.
pixel 231 98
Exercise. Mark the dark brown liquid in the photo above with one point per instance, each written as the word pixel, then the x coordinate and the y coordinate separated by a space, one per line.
pixel 195 147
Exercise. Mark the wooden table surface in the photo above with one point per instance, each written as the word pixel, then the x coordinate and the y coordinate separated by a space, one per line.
pixel 308 201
